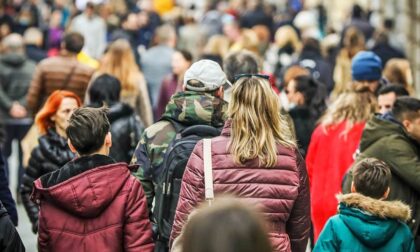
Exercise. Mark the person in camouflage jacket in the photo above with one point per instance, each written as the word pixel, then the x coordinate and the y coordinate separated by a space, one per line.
pixel 200 104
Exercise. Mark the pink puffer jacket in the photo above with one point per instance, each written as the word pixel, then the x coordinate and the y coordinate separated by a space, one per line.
pixel 281 192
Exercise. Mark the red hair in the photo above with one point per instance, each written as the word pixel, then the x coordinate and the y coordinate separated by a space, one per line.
pixel 43 118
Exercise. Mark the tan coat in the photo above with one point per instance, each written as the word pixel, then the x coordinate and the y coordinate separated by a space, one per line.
pixel 50 75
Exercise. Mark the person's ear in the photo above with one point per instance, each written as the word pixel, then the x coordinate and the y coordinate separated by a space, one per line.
pixel 386 193
pixel 108 140
pixel 300 98
pixel 220 92
pixel 407 125
pixel 71 146
pixel 52 118
pixel 353 188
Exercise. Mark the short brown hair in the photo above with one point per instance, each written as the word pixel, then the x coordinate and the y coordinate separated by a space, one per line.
pixel 371 177
pixel 73 42
pixel 87 129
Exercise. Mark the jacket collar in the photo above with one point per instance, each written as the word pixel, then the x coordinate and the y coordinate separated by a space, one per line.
pixel 53 137
pixel 74 168
pixel 119 110
pixel 226 131
pixel 379 208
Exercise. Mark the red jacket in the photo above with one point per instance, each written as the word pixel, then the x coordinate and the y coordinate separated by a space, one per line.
pixel 330 155
pixel 281 192
pixel 92 204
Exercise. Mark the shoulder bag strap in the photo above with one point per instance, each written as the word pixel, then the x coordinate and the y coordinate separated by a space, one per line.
pixel 208 171
pixel 68 77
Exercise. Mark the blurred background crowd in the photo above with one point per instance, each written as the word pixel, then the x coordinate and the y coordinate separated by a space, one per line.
pixel 305 46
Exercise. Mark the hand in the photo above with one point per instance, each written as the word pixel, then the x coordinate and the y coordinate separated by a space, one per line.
pixel 17 110
pixel 35 227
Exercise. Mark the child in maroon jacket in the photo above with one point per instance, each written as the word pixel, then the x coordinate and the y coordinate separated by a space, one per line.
pixel 92 203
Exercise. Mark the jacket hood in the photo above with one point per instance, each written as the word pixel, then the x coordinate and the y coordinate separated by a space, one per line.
pixel 13 60
pixel 119 110
pixel 372 221
pixel 85 186
pixel 192 108
pixel 378 127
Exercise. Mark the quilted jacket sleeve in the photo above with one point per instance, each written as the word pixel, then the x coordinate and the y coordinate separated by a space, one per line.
pixel 43 234
pixel 298 225
pixel 327 240
pixel 33 172
pixel 141 157
pixel 192 190
pixel 34 92
pixel 137 229
pixel 9 237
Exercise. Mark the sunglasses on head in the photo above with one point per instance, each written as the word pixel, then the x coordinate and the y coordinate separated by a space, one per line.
pixel 263 76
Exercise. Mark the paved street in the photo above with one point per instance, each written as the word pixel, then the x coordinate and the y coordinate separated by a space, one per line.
pixel 24 228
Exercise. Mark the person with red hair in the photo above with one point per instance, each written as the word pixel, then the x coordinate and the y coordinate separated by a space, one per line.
pixel 52 151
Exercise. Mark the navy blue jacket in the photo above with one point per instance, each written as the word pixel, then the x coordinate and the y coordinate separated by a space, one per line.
pixel 5 194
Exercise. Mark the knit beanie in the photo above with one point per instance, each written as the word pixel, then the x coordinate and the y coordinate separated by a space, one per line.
pixel 366 66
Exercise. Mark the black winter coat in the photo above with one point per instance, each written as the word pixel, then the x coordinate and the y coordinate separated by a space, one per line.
pixel 304 126
pixel 5 194
pixel 50 155
pixel 126 130
pixel 9 238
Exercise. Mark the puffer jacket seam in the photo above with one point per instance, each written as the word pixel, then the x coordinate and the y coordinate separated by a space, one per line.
pixel 91 188
pixel 56 230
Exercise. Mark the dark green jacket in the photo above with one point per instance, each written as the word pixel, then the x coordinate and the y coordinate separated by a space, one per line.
pixel 367 224
pixel 186 109
pixel 15 76
pixel 385 139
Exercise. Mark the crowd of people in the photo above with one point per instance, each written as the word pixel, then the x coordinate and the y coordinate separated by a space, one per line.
pixel 206 126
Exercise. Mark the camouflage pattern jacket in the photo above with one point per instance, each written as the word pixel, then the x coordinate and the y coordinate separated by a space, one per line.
pixel 185 109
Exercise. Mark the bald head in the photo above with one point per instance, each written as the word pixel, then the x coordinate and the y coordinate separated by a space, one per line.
pixel 166 35
pixel 13 43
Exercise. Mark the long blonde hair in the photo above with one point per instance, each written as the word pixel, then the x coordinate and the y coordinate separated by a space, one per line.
pixel 119 61
pixel 354 42
pixel 287 35
pixel 398 72
pixel 257 125
pixel 352 107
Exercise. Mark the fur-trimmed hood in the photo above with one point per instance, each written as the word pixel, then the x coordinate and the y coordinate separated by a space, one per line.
pixel 372 221
pixel 383 209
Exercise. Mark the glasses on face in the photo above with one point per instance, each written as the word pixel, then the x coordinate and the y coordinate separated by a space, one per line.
pixel 238 76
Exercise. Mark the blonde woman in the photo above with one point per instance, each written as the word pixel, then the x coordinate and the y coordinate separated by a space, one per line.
pixel 332 148
pixel 218 45
pixel 284 51
pixel 398 72
pixel 353 42
pixel 119 62
pixel 256 159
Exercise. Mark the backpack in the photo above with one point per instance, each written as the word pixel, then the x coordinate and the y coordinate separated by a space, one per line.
pixel 169 183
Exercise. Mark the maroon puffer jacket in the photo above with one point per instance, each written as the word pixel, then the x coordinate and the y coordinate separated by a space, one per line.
pixel 281 192
pixel 92 204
